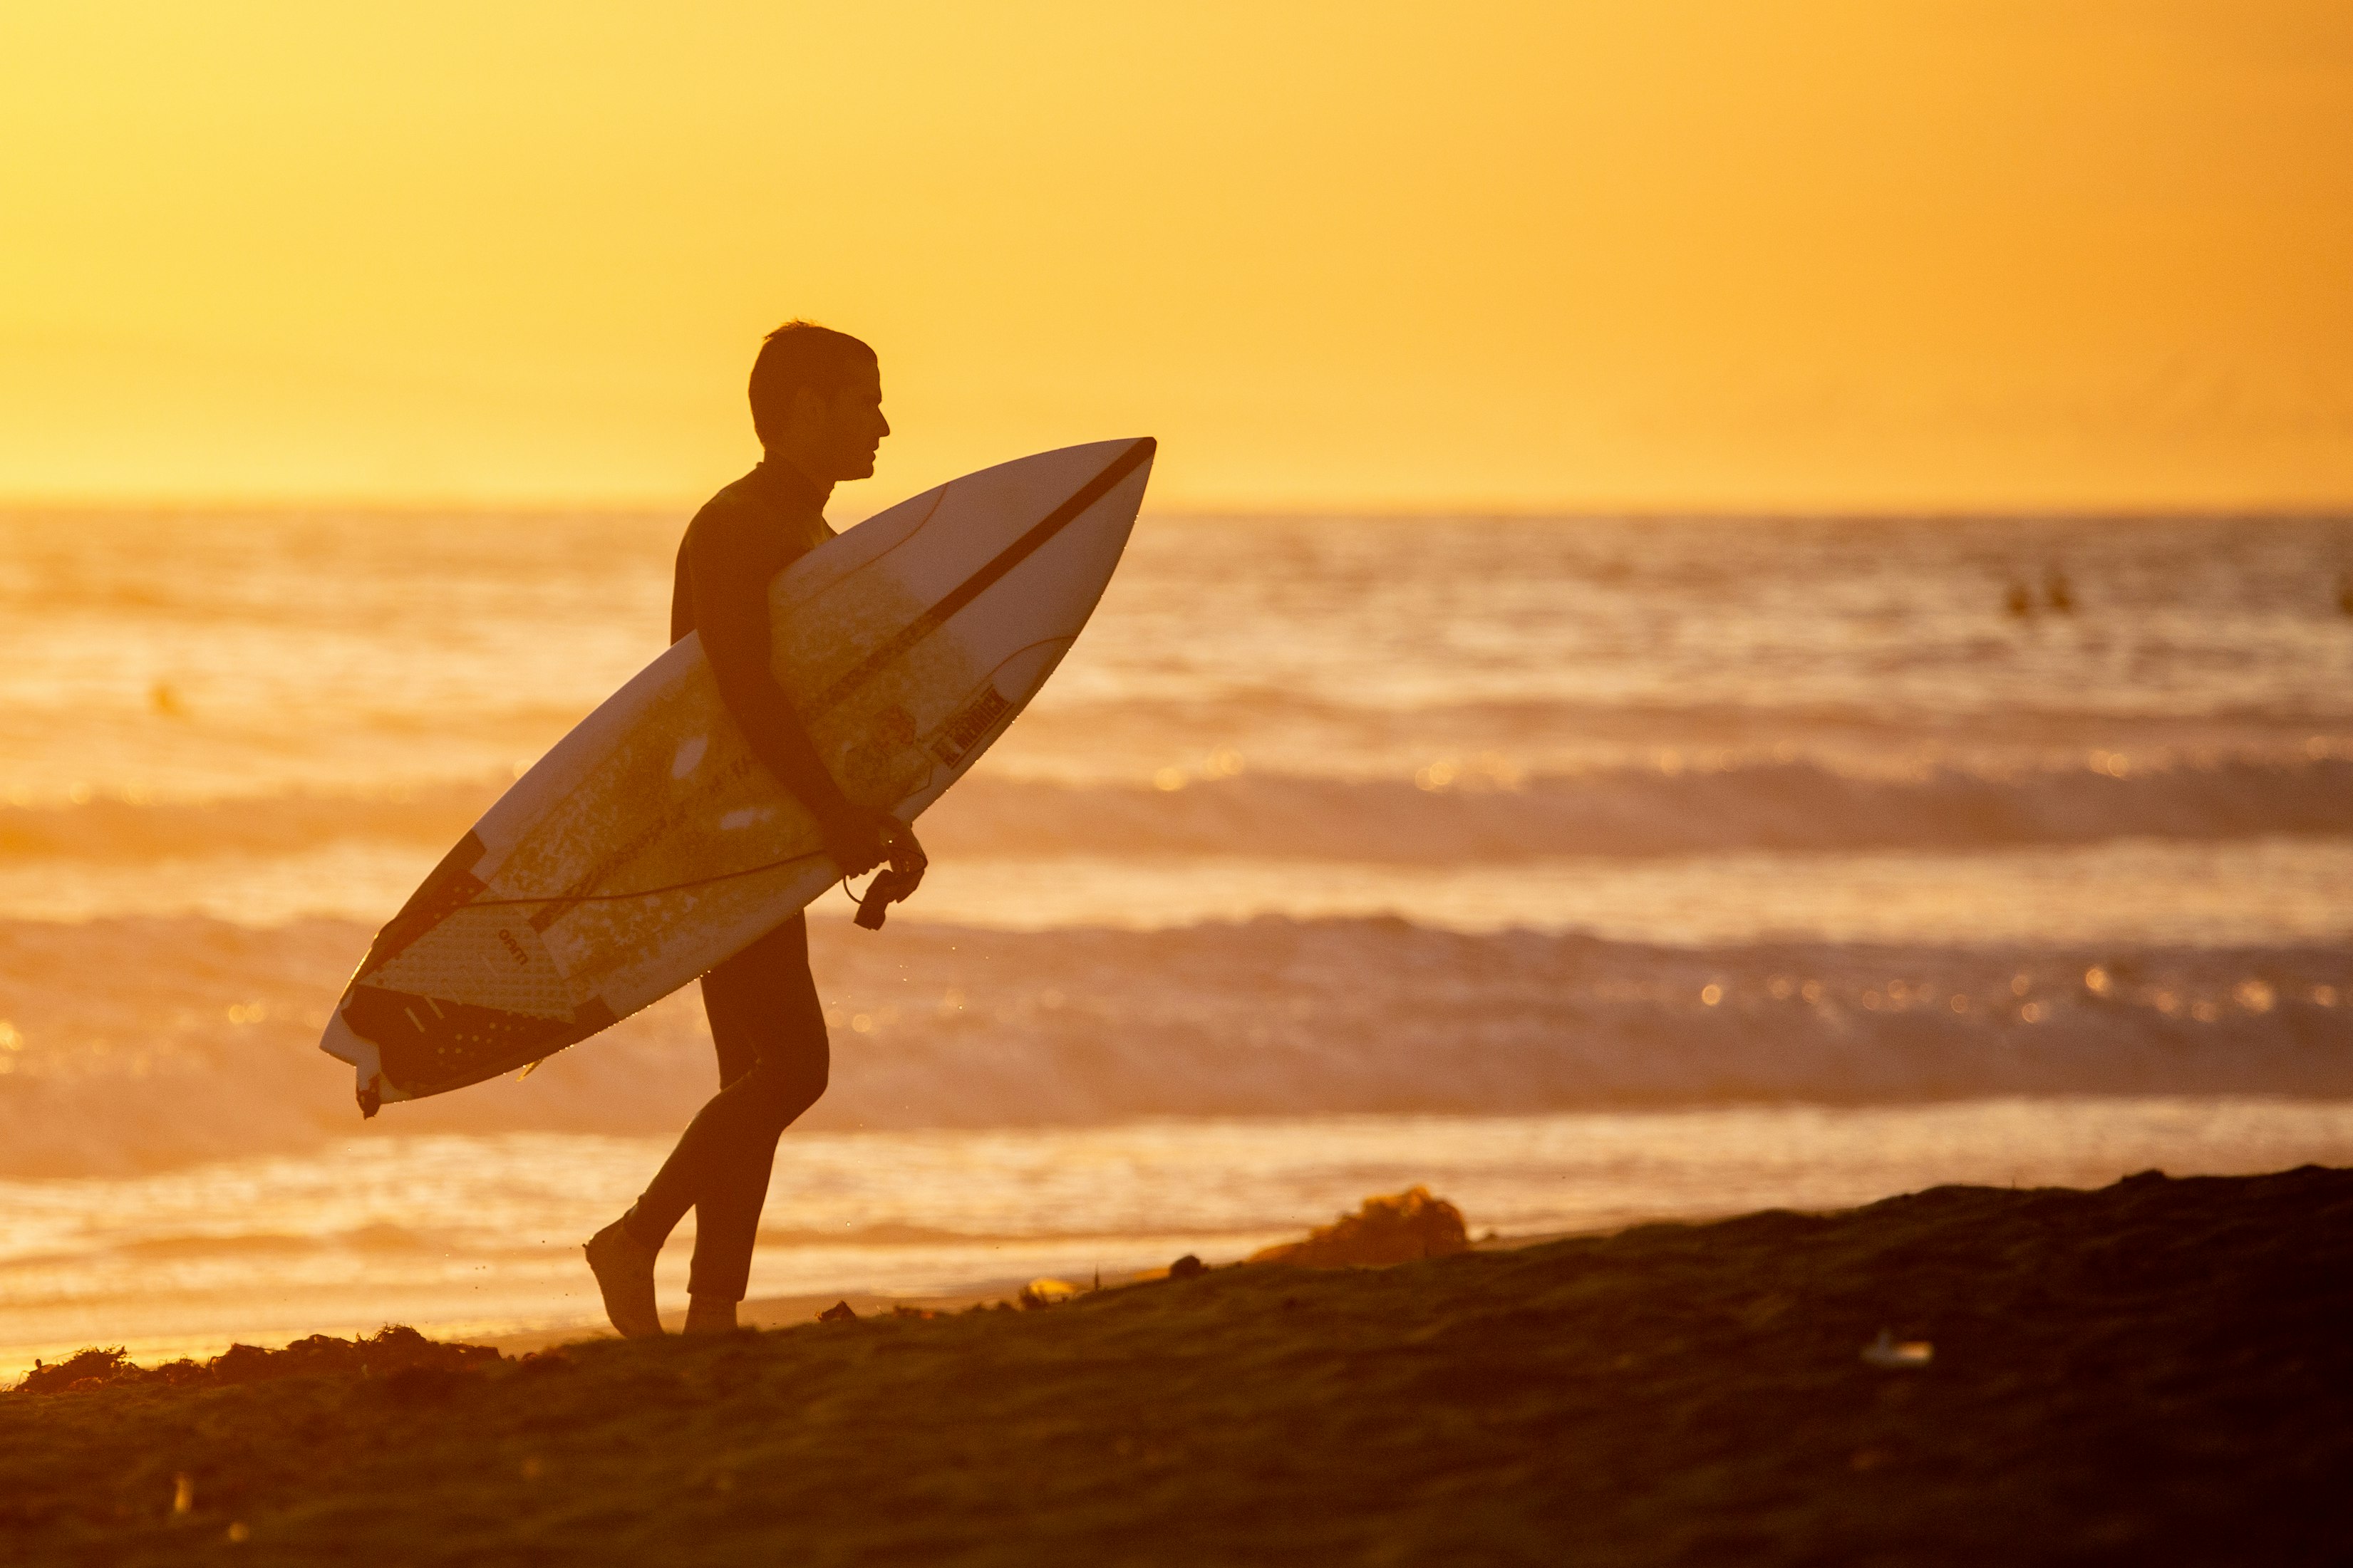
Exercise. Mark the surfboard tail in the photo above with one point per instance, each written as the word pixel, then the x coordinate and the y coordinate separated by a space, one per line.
pixel 370 1088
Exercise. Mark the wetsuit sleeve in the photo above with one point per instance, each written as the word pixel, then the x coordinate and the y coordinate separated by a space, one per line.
pixel 729 583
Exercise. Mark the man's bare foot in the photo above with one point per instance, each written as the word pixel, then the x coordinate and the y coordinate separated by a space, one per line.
pixel 624 1267
pixel 704 1316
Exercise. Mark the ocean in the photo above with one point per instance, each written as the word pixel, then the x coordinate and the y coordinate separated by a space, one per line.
pixel 1587 869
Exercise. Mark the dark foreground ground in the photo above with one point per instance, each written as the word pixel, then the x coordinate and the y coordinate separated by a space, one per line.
pixel 2161 1372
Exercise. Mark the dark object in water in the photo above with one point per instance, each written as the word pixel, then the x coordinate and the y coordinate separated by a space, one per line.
pixel 1401 1228
pixel 1188 1268
pixel 2019 601
pixel 2055 592
pixel 839 1312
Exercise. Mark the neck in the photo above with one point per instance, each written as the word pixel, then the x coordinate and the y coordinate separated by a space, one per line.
pixel 799 469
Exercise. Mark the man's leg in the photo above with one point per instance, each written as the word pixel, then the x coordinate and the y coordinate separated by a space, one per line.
pixel 763 1004
pixel 769 1029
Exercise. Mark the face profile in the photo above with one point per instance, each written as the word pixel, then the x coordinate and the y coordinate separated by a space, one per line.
pixel 849 426
pixel 817 403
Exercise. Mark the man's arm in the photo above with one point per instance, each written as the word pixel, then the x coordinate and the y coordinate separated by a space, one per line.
pixel 731 611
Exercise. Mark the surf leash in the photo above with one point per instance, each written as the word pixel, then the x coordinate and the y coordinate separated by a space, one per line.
pixel 651 892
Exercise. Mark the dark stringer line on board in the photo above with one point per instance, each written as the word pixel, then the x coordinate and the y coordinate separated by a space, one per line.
pixel 972 587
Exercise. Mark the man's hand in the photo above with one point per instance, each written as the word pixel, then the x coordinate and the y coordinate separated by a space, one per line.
pixel 859 837
pixel 908 862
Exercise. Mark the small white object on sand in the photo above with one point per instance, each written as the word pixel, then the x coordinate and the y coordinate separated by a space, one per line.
pixel 1887 1351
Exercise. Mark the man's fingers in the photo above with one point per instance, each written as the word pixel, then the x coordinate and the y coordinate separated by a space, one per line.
pixel 875 839
pixel 855 858
pixel 908 862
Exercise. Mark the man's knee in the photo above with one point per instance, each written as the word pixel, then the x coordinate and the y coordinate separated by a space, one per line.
pixel 810 1076
pixel 791 1083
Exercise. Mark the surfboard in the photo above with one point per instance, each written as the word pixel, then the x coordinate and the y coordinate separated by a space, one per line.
pixel 649 844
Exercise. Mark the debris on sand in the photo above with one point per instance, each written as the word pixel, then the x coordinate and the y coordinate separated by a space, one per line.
pixel 839 1312
pixel 1188 1268
pixel 1399 1228
pixel 84 1370
pixel 1040 1293
pixel 1890 1352
pixel 395 1348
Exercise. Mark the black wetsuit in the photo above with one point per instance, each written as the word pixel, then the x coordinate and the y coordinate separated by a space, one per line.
pixel 766 1018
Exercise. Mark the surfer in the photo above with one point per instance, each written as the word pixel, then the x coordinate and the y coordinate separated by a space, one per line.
pixel 816 407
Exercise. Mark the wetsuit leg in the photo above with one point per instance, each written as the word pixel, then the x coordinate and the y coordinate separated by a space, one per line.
pixel 769 1028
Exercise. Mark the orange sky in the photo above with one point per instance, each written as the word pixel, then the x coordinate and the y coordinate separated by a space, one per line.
pixel 1652 253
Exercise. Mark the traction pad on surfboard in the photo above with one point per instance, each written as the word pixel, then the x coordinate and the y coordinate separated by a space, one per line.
pixel 430 1045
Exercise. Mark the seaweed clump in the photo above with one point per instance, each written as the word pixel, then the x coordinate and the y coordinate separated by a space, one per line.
pixel 395 1349
pixel 1403 1227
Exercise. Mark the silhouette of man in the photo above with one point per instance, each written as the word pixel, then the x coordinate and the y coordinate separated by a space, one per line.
pixel 816 406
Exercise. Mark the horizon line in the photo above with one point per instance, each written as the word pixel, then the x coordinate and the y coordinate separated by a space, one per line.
pixel 1464 509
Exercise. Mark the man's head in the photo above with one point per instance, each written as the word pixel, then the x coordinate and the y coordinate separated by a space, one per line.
pixel 816 402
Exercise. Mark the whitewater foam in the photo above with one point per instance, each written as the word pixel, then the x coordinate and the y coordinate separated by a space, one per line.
pixel 200 1042
pixel 1444 814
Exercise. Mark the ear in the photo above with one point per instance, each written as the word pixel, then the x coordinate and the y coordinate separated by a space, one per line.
pixel 810 408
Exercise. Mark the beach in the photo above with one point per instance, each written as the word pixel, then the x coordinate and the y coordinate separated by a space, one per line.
pixel 2151 1370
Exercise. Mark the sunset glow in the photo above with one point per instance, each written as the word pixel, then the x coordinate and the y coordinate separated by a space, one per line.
pixel 1525 256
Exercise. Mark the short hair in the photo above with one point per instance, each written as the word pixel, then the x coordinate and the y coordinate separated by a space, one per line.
pixel 798 355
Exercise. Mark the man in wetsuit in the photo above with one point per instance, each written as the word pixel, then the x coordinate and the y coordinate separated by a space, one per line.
pixel 816 406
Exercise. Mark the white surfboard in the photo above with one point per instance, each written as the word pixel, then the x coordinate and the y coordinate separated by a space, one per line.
pixel 649 844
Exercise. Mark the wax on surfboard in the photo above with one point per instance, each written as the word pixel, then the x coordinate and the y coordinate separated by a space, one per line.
pixel 649 844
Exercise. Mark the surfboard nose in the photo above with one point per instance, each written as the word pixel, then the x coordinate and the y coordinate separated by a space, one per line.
pixel 1139 454
pixel 1128 459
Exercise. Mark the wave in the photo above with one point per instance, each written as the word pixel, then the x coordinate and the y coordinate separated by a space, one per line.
pixel 116 828
pixel 1439 818
pixel 143 1044
pixel 1442 818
